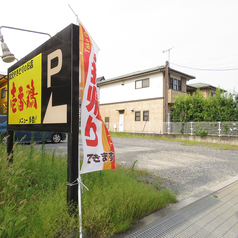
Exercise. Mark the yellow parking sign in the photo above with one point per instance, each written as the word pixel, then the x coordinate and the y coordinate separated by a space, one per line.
pixel 25 93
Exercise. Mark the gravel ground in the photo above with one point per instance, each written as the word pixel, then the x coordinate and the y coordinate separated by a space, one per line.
pixel 184 169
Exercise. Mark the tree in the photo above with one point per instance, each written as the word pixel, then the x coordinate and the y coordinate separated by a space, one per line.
pixel 219 107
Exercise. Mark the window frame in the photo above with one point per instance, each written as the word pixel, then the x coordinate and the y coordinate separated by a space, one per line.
pixel 175 84
pixel 144 116
pixel 137 117
pixel 179 85
pixel 107 119
pixel 171 83
pixel 143 83
pixel 137 82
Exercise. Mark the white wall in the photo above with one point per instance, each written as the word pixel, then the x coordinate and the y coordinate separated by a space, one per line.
pixel 116 92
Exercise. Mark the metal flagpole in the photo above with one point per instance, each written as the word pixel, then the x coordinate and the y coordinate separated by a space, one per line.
pixel 79 22
pixel 80 183
pixel 80 205
pixel 79 176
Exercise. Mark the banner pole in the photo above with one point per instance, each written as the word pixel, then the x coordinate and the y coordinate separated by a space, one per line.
pixel 80 208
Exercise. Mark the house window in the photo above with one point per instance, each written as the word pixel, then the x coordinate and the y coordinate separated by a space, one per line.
pixel 213 93
pixel 145 115
pixel 143 83
pixel 137 116
pixel 139 84
pixel 107 122
pixel 175 84
pixel 171 82
pixel 179 85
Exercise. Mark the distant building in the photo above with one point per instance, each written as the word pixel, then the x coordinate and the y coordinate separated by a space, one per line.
pixel 3 91
pixel 205 89
pixel 140 99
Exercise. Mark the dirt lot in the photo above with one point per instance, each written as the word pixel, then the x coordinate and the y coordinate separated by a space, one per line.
pixel 184 169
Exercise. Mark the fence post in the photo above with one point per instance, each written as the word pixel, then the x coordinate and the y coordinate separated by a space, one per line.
pixel 168 127
pixel 219 128
pixel 168 120
pixel 191 128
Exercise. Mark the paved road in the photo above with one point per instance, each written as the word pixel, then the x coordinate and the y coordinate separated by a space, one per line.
pixel 184 169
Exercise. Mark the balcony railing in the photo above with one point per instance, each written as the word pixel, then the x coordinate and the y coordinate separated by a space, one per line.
pixel 172 94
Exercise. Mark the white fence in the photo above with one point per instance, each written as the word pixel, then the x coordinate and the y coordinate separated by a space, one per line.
pixel 188 128
pixel 202 128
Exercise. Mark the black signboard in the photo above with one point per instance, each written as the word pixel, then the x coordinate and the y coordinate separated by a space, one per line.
pixel 43 87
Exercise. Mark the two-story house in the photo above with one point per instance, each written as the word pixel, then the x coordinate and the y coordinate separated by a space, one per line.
pixel 140 101
pixel 206 89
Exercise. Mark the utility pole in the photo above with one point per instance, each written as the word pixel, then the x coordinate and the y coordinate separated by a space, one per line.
pixel 166 90
pixel 166 118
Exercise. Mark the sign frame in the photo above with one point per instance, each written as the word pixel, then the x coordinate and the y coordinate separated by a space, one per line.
pixel 59 94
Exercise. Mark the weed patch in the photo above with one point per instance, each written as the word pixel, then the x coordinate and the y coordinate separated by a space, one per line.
pixel 33 197
pixel 125 200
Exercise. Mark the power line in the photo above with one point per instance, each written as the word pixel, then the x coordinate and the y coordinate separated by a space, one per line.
pixel 225 69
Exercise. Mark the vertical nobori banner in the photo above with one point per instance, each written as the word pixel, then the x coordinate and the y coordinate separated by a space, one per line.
pixel 98 148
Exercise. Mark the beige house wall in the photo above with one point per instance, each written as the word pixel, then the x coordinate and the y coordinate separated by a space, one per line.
pixel 173 94
pixel 184 85
pixel 205 92
pixel 154 106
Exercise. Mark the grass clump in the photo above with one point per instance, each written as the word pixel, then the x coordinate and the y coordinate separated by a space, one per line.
pixel 119 199
pixel 33 197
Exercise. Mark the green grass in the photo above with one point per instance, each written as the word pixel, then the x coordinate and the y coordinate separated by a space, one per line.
pixel 33 196
pixel 185 142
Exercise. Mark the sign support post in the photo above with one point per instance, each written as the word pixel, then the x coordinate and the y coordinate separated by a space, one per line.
pixel 44 95
pixel 73 137
pixel 72 168
pixel 10 145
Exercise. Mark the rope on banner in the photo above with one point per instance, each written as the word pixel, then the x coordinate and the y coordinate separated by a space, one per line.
pixel 76 182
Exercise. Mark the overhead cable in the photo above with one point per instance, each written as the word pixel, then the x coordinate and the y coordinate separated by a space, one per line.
pixel 224 69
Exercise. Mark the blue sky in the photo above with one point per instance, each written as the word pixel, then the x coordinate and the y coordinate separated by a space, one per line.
pixel 132 34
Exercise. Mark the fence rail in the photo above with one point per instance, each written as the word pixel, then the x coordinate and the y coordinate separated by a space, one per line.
pixel 187 128
pixel 202 128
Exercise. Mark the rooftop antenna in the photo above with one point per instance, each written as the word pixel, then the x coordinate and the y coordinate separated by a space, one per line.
pixel 168 50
